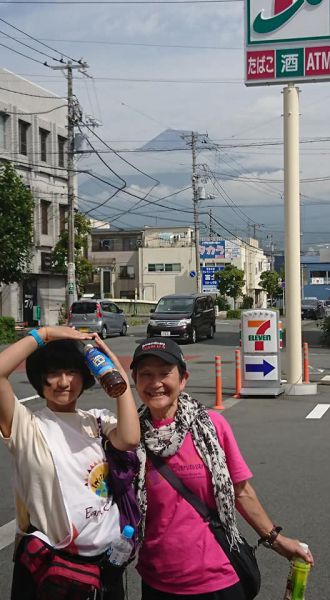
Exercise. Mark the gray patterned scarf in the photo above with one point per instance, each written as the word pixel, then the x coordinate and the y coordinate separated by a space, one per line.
pixel 192 417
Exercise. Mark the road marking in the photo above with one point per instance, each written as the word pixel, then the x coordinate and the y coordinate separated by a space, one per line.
pixel 29 398
pixel 318 411
pixel 7 534
pixel 326 378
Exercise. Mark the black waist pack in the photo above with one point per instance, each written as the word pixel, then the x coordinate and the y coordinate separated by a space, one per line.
pixel 243 558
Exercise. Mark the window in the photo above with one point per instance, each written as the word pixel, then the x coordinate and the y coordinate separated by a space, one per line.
pixel 129 243
pixel 126 272
pixel 106 245
pixel 3 119
pixel 84 308
pixel 164 267
pixel 44 207
pixel 63 211
pixel 46 261
pixel 61 143
pixel 43 138
pixel 317 274
pixel 23 129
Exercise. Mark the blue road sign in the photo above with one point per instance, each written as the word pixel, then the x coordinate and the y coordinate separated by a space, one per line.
pixel 209 283
pixel 264 367
pixel 192 274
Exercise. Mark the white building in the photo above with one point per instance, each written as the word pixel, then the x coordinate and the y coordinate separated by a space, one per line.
pixel 153 262
pixel 33 137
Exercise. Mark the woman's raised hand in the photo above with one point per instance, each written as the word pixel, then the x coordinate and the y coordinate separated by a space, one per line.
pixel 62 332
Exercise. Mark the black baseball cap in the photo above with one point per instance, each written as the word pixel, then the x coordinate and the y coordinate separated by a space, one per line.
pixel 166 349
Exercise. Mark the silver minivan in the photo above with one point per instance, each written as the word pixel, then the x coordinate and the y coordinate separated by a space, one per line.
pixel 101 316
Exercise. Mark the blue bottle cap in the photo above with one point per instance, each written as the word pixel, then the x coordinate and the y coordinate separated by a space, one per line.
pixel 128 531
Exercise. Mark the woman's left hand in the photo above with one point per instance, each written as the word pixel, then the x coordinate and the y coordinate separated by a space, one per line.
pixel 290 548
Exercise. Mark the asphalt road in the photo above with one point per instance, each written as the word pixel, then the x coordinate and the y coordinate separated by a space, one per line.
pixel 288 454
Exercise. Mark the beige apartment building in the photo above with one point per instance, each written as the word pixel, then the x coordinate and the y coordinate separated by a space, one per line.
pixel 150 263
pixel 33 138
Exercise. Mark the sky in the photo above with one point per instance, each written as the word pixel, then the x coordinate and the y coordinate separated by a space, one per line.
pixel 175 68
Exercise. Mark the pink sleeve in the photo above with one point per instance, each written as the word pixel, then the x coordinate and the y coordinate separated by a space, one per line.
pixel 238 469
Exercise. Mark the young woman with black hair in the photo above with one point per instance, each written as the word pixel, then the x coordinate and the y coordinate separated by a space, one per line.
pixel 60 469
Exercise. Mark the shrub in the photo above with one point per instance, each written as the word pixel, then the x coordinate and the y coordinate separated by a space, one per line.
pixel 7 330
pixel 234 313
pixel 326 331
pixel 247 302
pixel 222 303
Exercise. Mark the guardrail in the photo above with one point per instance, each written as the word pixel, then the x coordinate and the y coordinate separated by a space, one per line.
pixel 135 308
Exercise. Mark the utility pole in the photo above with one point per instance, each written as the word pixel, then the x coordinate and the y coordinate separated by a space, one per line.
pixel 210 225
pixel 73 117
pixel 192 140
pixel 194 179
pixel 272 248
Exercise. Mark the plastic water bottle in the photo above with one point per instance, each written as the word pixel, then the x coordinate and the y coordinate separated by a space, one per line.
pixel 297 579
pixel 103 369
pixel 121 548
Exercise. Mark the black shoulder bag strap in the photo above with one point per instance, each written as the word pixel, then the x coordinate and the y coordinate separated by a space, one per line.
pixel 206 513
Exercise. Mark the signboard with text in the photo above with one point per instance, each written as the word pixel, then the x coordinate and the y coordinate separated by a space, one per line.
pixel 261 365
pixel 259 332
pixel 209 283
pixel 287 40
pixel 212 250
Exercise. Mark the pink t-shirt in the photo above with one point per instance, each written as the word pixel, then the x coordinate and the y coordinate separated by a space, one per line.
pixel 179 554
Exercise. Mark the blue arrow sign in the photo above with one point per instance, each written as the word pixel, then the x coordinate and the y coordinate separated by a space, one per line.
pixel 264 367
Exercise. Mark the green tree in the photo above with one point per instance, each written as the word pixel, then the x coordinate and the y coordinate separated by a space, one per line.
pixel 84 268
pixel 230 282
pixel 16 225
pixel 269 282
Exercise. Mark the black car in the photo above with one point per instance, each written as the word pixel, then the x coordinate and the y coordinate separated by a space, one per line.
pixel 185 317
pixel 312 309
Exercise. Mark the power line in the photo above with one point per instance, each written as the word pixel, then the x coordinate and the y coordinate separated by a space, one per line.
pixel 131 193
pixel 144 44
pixel 21 54
pixel 121 158
pixel 33 38
pixel 28 46
pixel 44 112
pixel 33 95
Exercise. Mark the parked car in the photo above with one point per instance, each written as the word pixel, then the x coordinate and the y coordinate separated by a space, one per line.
pixel 184 317
pixel 101 316
pixel 312 308
pixel 327 307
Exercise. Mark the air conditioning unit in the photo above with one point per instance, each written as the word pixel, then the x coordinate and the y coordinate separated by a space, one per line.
pixel 106 244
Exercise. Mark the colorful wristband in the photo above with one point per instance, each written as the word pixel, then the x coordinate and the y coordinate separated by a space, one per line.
pixel 37 337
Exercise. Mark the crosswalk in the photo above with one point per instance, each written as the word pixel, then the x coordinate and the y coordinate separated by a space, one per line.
pixel 318 411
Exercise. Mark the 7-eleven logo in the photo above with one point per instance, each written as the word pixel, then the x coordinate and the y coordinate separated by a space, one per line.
pixel 260 335
pixel 284 10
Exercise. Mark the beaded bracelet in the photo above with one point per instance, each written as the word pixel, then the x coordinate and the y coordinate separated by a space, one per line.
pixel 269 539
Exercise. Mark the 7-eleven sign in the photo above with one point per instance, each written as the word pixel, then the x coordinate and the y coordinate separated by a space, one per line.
pixel 259 333
pixel 260 336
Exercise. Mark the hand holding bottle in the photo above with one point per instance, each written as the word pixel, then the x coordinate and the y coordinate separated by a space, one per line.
pixel 298 575
pixel 104 370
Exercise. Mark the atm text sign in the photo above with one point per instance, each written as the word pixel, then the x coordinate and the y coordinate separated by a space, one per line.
pixel 287 39
pixel 295 64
